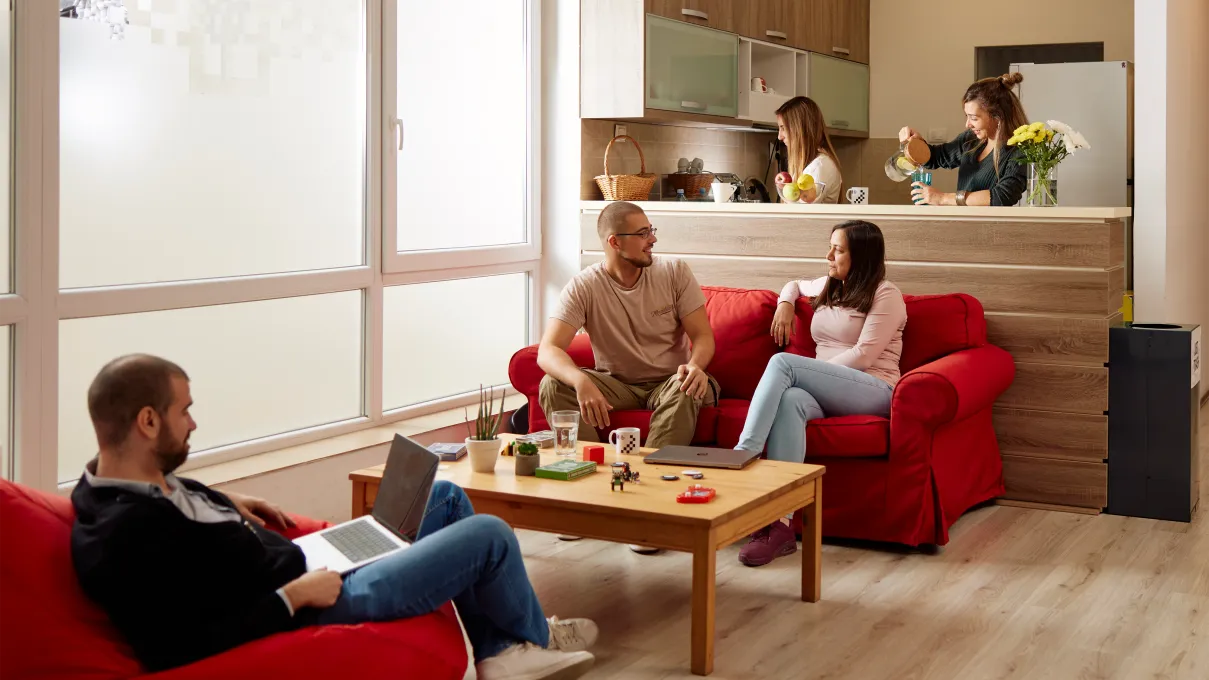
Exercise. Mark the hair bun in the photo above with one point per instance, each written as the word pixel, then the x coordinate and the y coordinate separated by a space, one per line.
pixel 1011 79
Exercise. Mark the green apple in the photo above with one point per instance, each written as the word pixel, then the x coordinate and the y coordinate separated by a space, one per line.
pixel 791 193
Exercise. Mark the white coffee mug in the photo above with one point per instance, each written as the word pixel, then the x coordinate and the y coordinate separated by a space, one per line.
pixel 758 85
pixel 858 195
pixel 626 439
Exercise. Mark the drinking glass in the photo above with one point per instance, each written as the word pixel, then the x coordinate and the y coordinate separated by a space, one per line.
pixel 922 177
pixel 566 432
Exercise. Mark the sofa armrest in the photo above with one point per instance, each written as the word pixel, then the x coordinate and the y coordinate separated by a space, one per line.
pixel 526 376
pixel 953 387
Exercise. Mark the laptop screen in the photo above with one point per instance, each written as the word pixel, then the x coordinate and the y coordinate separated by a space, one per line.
pixel 406 482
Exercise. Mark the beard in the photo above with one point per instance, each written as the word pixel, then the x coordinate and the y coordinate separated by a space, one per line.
pixel 170 452
pixel 642 263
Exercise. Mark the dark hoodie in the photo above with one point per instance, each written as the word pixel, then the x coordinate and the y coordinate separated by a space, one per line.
pixel 179 590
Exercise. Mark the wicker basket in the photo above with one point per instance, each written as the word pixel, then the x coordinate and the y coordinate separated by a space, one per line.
pixel 691 182
pixel 626 187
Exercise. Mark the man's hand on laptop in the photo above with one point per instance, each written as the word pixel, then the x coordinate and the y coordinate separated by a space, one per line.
pixel 693 380
pixel 592 403
pixel 318 588
pixel 260 511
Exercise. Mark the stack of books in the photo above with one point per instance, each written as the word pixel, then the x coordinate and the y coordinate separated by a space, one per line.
pixel 566 470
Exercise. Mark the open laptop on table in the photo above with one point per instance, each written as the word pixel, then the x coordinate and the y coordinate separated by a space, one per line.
pixel 398 511
pixel 700 456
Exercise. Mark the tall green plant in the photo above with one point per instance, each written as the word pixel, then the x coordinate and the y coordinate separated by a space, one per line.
pixel 487 422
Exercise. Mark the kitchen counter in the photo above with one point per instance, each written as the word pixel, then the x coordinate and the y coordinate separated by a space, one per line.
pixel 1050 280
pixel 849 211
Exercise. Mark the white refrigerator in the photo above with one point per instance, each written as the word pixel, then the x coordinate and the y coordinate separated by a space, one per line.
pixel 1095 98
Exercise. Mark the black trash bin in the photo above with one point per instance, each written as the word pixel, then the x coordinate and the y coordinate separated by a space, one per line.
pixel 1153 400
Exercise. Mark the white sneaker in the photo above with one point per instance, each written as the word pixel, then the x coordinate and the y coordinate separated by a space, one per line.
pixel 644 549
pixel 527 661
pixel 568 537
pixel 572 635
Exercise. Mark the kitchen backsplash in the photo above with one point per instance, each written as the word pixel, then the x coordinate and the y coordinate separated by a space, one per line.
pixel 742 153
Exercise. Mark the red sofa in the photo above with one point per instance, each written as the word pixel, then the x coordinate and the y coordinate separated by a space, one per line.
pixel 905 479
pixel 50 629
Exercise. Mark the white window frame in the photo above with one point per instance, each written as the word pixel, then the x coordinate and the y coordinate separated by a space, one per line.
pixel 38 305
pixel 394 138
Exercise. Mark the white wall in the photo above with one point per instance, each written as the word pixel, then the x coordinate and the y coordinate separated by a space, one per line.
pixel 922 54
pixel 1171 204
pixel 560 148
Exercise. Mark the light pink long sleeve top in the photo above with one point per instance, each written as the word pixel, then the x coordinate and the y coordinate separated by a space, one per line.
pixel 870 342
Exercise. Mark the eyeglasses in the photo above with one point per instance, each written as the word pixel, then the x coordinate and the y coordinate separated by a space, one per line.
pixel 642 233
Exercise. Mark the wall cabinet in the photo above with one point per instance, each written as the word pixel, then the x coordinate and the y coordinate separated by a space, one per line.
pixel 775 21
pixel 691 69
pixel 837 28
pixel 715 14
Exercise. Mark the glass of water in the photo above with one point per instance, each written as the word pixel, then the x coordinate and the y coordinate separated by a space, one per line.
pixel 566 432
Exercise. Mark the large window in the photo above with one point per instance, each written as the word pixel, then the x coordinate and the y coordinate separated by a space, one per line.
pixel 219 190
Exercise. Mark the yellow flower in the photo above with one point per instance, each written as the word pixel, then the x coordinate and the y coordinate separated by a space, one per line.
pixel 1013 140
pixel 1020 129
pixel 1036 126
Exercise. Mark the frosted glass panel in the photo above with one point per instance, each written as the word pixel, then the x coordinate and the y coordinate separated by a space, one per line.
pixel 211 138
pixel 257 368
pixel 841 89
pixel 462 77
pixel 6 145
pixel 690 68
pixel 446 338
pixel 6 393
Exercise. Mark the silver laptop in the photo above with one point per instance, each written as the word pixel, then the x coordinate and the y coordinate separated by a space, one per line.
pixel 398 511
pixel 699 456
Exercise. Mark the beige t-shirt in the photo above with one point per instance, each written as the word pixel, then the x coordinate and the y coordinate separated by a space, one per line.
pixel 636 333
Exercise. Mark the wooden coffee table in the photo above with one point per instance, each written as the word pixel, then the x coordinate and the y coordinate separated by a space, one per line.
pixel 648 514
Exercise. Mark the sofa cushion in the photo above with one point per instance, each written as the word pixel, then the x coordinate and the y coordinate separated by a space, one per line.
pixel 938 325
pixel 848 437
pixel 741 320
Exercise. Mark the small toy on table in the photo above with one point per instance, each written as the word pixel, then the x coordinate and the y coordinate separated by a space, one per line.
pixel 618 482
pixel 594 454
pixel 623 474
pixel 696 494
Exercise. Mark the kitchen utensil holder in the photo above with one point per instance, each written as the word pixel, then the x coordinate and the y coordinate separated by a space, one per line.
pixel 626 187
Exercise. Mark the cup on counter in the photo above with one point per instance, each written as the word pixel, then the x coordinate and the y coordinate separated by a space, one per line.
pixel 857 195
pixel 921 177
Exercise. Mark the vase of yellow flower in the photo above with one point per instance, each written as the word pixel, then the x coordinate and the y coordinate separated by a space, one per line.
pixel 1043 146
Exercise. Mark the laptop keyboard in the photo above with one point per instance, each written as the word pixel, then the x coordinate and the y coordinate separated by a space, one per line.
pixel 359 541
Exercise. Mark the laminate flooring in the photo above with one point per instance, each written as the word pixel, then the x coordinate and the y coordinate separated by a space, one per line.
pixel 1016 594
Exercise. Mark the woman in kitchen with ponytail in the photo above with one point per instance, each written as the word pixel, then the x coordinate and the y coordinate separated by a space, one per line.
pixel 987 171
pixel 801 127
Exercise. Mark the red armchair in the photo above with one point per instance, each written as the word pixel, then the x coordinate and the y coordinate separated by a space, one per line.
pixel 904 479
pixel 50 629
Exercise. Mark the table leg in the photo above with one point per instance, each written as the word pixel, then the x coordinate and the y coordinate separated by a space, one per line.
pixel 705 561
pixel 812 546
pixel 358 508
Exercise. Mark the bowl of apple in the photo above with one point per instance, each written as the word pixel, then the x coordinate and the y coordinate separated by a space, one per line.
pixel 794 190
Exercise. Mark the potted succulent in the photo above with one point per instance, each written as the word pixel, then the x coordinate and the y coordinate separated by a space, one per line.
pixel 483 445
pixel 527 459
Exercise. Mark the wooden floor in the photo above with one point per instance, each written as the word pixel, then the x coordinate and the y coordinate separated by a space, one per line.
pixel 1017 593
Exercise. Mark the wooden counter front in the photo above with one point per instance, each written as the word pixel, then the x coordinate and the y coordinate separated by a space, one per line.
pixel 1050 279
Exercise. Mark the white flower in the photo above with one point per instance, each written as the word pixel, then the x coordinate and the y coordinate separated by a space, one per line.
pixel 1080 141
pixel 1059 127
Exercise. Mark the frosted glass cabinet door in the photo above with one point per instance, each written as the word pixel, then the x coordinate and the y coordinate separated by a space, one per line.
pixel 841 89
pixel 690 68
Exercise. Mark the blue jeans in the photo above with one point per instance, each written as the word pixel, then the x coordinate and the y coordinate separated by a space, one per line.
pixel 795 390
pixel 471 559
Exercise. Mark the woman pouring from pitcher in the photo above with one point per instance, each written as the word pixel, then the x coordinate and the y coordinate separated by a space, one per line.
pixel 987 171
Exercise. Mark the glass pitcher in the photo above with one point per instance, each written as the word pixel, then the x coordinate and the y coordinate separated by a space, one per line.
pixel 910 157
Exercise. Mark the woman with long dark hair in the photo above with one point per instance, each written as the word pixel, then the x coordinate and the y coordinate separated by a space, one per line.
pixel 858 330
pixel 801 127
pixel 987 171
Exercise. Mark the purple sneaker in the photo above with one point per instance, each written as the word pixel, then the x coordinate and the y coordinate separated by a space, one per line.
pixel 767 544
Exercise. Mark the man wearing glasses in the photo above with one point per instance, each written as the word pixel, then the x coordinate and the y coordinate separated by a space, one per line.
pixel 650 335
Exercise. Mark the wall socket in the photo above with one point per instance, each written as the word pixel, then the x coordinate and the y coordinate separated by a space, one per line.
pixel 937 135
pixel 619 130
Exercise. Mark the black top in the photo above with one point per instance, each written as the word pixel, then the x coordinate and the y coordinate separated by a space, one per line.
pixel 975 175
pixel 180 590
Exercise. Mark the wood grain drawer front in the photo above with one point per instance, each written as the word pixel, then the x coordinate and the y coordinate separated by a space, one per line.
pixel 717 14
pixel 1057 387
pixel 1051 339
pixel 1003 289
pixel 1049 434
pixel 768 20
pixel 1060 482
pixel 1083 244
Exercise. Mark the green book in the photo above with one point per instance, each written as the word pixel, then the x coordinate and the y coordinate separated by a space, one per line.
pixel 566 470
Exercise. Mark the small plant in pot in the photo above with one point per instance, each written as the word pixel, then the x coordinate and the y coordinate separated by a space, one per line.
pixel 483 444
pixel 527 459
